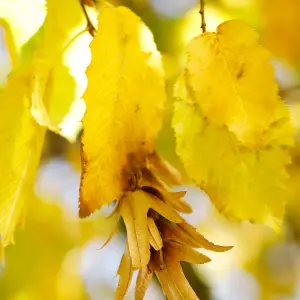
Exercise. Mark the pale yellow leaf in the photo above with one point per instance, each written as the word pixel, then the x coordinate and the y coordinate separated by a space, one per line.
pixel 232 81
pixel 22 19
pixel 58 70
pixel 21 139
pixel 243 183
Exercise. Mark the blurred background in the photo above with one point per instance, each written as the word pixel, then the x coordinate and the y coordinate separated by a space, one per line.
pixel 58 256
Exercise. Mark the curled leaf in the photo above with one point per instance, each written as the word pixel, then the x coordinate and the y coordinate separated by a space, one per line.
pixel 143 279
pixel 154 235
pixel 134 213
pixel 125 273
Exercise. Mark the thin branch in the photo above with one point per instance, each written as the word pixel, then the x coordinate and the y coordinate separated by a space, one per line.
pixel 90 27
pixel 202 14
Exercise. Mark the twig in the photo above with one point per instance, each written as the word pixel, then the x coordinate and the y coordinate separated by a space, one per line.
pixel 201 12
pixel 90 27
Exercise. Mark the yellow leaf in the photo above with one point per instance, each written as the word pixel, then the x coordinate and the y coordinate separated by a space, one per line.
pixel 142 282
pixel 179 283
pixel 168 286
pixel 179 252
pixel 21 144
pixel 22 19
pixel 187 235
pixel 60 60
pixel 134 209
pixel 179 204
pixel 125 273
pixel 232 81
pixel 168 173
pixel 124 100
pixel 243 183
pixel 134 213
pixel 29 87
pixel 154 235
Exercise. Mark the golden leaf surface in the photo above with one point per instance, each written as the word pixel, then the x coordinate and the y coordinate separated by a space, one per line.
pixel 232 81
pixel 243 183
pixel 21 141
pixel 124 100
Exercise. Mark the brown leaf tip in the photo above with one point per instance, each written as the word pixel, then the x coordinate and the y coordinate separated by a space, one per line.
pixel 84 210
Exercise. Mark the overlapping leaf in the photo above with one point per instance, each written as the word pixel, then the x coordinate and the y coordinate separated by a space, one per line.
pixel 39 81
pixel 21 144
pixel 244 183
pixel 232 81
pixel 124 100
pixel 60 61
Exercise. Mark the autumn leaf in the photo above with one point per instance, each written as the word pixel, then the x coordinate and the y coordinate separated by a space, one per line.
pixel 134 209
pixel 125 273
pixel 244 183
pixel 34 86
pixel 178 243
pixel 22 19
pixel 124 100
pixel 50 56
pixel 21 139
pixel 58 74
pixel 232 81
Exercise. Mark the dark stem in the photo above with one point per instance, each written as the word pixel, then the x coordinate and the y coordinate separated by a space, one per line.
pixel 90 27
pixel 202 14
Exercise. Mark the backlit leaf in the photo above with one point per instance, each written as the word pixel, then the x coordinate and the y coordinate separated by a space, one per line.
pixel 124 100
pixel 232 81
pixel 21 141
pixel 243 183
pixel 60 59
pixel 22 19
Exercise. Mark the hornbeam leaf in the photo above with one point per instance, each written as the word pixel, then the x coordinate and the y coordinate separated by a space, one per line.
pixel 232 81
pixel 244 183
pixel 124 100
